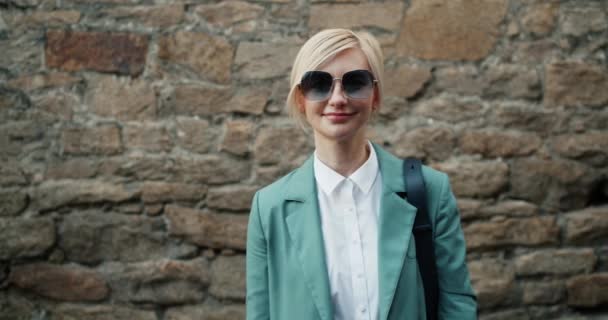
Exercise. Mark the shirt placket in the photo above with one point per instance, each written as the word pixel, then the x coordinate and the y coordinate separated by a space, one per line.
pixel 357 262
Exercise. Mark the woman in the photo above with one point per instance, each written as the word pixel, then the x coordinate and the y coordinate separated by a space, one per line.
pixel 333 239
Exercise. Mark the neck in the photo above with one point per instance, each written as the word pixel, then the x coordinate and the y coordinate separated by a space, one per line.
pixel 344 157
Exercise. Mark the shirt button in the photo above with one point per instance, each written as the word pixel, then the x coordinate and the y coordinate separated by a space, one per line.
pixel 363 310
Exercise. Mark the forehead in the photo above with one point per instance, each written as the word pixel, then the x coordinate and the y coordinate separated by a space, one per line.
pixel 346 60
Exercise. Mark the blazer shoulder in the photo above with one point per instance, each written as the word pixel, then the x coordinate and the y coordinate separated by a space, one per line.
pixel 274 193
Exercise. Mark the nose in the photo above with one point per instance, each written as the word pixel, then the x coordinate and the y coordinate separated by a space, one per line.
pixel 337 97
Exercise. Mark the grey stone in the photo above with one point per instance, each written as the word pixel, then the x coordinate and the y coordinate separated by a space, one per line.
pixel 12 202
pixel 27 237
pixel 228 278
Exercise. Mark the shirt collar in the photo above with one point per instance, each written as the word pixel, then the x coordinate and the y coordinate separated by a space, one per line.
pixel 364 177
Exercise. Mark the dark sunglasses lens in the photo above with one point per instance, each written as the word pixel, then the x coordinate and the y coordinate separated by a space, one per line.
pixel 358 84
pixel 316 85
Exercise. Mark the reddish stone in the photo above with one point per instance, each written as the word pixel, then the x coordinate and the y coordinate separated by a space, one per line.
pixel 574 84
pixel 120 53
pixel 103 139
pixel 588 290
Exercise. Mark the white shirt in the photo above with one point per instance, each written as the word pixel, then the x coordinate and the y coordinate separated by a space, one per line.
pixel 350 209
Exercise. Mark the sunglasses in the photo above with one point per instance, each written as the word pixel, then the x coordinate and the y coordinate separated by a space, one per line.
pixel 318 85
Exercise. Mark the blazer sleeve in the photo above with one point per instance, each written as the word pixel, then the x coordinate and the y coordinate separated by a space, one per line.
pixel 456 297
pixel 257 267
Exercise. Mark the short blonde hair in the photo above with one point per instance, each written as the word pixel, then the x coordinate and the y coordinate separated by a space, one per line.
pixel 322 47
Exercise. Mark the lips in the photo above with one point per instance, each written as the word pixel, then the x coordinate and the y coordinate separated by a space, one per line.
pixel 338 116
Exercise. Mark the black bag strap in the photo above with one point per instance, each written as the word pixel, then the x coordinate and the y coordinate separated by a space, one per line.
pixel 423 234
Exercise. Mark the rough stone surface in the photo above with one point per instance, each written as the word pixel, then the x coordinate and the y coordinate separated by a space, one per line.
pixel 228 274
pixel 494 143
pixel 206 312
pixel 157 191
pixel 556 262
pixel 433 143
pixel 459 80
pixel 490 176
pixel 588 290
pixel 582 20
pixel 511 232
pixel 231 198
pixel 574 84
pixel 61 282
pixel 92 237
pixel 323 16
pixel 148 136
pixel 493 282
pixel 456 31
pixel 510 208
pixel 77 168
pixel 516 116
pixel 211 169
pixel 591 147
pixel 540 18
pixel 164 282
pixel 586 225
pixel 120 53
pixel 199 101
pixel 54 194
pixel 237 137
pixel 553 183
pixel 286 147
pixel 45 81
pixel 17 240
pixel 102 139
pixel 262 60
pixel 160 16
pixel 12 203
pixel 405 81
pixel 194 134
pixel 543 292
pixel 101 312
pixel 511 81
pixel 207 55
pixel 55 18
pixel 207 229
pixel 122 100
pixel 229 14
pixel 449 109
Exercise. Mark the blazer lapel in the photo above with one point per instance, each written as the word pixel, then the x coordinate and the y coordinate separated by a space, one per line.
pixel 394 229
pixel 304 226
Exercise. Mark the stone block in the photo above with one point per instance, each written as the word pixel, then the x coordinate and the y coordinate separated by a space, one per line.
pixel 57 106
pixel 513 314
pixel 264 60
pixel 586 225
pixel 12 202
pixel 516 208
pixel 432 143
pixel 284 146
pixel 556 262
pixel 237 137
pixel 250 100
pixel 490 177
pixel 11 174
pixel 139 165
pixel 60 282
pixel 590 290
pixel 494 143
pixel 545 292
pixel 198 100
pixel 212 169
pixel 228 278
pixel 463 80
pixel 469 208
pixel 18 241
pixel 511 81
pixel 156 16
pixel 405 80
pixel 349 16
pixel 237 198
pixel 162 282
pixel 121 53
pixel 575 84
pixel 450 109
pixel 511 232
pixel 209 56
pixel 100 312
pixel 122 99
pixel 54 194
pixel 147 136
pixel 74 168
pixel 157 191
pixel 591 147
pixel 229 14
pixel 514 116
pixel 92 237
pixel 208 229
pixel 456 31
pixel 194 134
pixel 103 139
pixel 540 19
pixel 581 20
pixel 45 80
pixel 206 312
pixel 493 281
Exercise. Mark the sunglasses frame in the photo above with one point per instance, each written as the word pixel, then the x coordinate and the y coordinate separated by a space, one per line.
pixel 333 84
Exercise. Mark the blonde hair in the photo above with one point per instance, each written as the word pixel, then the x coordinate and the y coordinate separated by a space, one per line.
pixel 322 47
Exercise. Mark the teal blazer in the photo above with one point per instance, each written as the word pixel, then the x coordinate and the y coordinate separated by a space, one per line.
pixel 286 270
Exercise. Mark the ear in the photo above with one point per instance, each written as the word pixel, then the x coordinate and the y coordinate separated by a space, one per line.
pixel 300 100
pixel 376 102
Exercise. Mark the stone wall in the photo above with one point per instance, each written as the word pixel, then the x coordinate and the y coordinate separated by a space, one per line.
pixel 134 133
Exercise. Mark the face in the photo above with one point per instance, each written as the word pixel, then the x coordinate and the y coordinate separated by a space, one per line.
pixel 340 117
